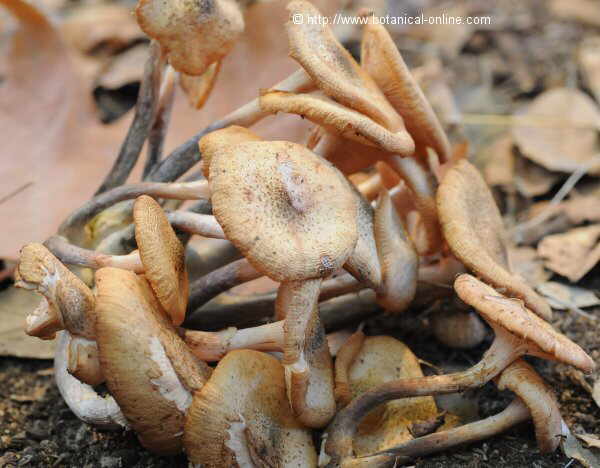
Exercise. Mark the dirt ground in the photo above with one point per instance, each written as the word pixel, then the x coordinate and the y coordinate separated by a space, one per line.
pixel 493 71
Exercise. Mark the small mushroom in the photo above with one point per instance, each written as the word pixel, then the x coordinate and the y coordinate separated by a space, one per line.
pixel 163 257
pixel 457 328
pixel 241 417
pixel 518 332
pixel 194 34
pixel 473 228
pixel 149 370
pixel 67 303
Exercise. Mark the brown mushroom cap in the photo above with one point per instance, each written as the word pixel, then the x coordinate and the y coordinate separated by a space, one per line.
pixel 382 359
pixel 148 368
pixel 198 87
pixel 473 228
pixel 382 60
pixel 270 199
pixel 193 33
pixel 163 257
pixel 521 379
pixel 67 302
pixel 242 417
pixel 540 338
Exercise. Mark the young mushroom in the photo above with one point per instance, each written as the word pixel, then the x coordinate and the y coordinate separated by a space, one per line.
pixel 474 230
pixel 241 417
pixel 518 332
pixel 534 400
pixel 149 370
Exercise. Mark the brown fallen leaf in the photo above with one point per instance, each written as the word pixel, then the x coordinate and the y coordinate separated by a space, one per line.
pixel 572 254
pixel 499 163
pixel 15 304
pixel 532 180
pixel 589 64
pixel 562 297
pixel 561 131
pixel 573 449
pixel 525 262
pixel 590 440
pixel 124 68
pixel 584 11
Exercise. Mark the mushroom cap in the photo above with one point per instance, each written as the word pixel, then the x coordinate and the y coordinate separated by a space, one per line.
pixel 382 359
pixel 67 303
pixel 218 139
pixel 457 328
pixel 334 70
pixel 242 417
pixel 521 379
pixel 149 370
pixel 269 199
pixel 194 34
pixel 382 61
pixel 163 257
pixel 473 228
pixel 512 315
pixel 338 119
pixel 198 87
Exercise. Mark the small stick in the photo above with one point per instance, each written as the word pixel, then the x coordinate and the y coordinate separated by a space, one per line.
pixel 145 110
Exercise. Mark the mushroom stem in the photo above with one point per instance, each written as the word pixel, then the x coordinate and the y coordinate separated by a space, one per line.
pixel 158 130
pixel 194 223
pixel 504 350
pixel 82 399
pixel 72 227
pixel 145 112
pixel 515 413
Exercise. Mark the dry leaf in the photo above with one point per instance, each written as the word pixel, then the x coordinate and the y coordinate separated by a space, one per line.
pixel 590 440
pixel 499 162
pixel 573 449
pixel 589 64
pixel 581 208
pixel 563 297
pixel 573 253
pixel 532 180
pixel 15 304
pixel 124 68
pixel 525 262
pixel 561 132
pixel 584 11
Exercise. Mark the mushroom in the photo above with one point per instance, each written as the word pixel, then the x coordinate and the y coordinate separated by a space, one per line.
pixel 83 362
pixel 82 399
pixel 367 362
pixel 193 34
pixel 473 228
pixel 163 257
pixel 518 332
pixel 67 303
pixel 267 197
pixel 457 328
pixel 241 417
pixel 149 370
pixel 534 400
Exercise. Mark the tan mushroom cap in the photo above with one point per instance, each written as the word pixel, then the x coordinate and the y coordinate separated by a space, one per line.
pixel 149 370
pixel 457 328
pixel 382 60
pixel 193 33
pixel 473 228
pixel 163 257
pixel 521 379
pixel 286 209
pixel 382 359
pixel 67 302
pixel 539 337
pixel 83 361
pixel 242 417
pixel 338 119
pixel 215 141
pixel 198 87
pixel 333 69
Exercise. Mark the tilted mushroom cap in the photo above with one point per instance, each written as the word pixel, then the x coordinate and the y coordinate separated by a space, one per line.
pixel 337 119
pixel 521 379
pixel 149 370
pixel 333 69
pixel 475 233
pixel 382 60
pixel 214 141
pixel 163 257
pixel 381 359
pixel 67 302
pixel 539 337
pixel 193 33
pixel 269 199
pixel 242 417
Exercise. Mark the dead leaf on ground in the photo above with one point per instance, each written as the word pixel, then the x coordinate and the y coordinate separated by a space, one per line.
pixel 531 179
pixel 15 304
pixel 499 163
pixel 525 262
pixel 590 440
pixel 573 449
pixel 582 208
pixel 572 254
pixel 124 68
pixel 562 297
pixel 589 64
pixel 561 132
pixel 584 11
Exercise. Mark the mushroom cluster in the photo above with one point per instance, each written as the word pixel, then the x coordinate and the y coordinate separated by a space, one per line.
pixel 375 212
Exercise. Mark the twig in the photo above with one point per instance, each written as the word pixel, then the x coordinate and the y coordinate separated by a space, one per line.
pixel 15 192
pixel 145 110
